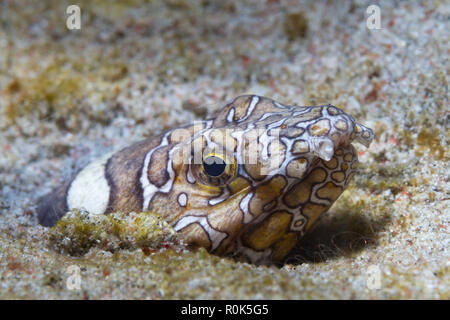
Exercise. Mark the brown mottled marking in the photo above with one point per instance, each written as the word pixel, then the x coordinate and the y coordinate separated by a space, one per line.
pixel 297 167
pixel 341 125
pixel 313 114
pixel 358 128
pixel 332 164
pixel 301 191
pixel 333 111
pixel 348 157
pixel 223 139
pixel 320 128
pixel 338 176
pixel 329 191
pixel 335 136
pixel 197 235
pixel 284 245
pixel 350 176
pixel 181 134
pixel 291 132
pixel 313 211
pixel 269 206
pixel 266 193
pixel 126 193
pixel 239 184
pixel 252 167
pixel 241 106
pixel 157 173
pixel 300 146
pixel 271 229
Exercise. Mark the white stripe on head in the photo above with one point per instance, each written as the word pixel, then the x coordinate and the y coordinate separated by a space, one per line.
pixel 182 199
pixel 255 100
pixel 215 236
pixel 244 205
pixel 90 190
pixel 230 115
pixel 148 188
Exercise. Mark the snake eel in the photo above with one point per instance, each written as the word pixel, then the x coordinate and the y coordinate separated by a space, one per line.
pixel 248 182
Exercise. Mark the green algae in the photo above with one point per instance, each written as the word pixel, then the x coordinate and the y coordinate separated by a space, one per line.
pixel 53 92
pixel 295 25
pixel 430 138
pixel 77 232
pixel 60 94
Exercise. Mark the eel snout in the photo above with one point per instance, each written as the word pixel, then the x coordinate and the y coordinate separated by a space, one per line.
pixel 363 135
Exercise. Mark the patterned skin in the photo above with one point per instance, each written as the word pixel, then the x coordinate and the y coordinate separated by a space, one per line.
pixel 249 182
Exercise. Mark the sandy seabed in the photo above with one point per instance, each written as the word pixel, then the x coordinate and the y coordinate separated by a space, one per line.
pixel 137 68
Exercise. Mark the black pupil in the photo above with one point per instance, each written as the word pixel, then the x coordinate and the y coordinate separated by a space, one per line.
pixel 214 166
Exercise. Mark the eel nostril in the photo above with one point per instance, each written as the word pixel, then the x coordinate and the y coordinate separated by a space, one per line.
pixel 364 135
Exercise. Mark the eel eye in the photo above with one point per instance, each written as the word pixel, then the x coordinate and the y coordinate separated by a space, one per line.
pixel 215 170
pixel 214 166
